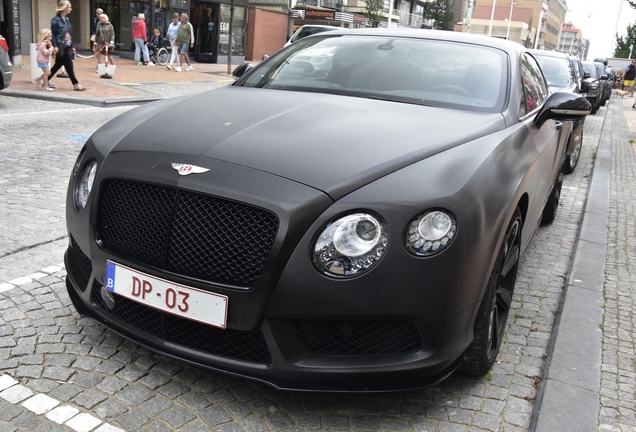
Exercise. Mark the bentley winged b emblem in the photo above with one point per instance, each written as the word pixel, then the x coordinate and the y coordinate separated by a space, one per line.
pixel 185 169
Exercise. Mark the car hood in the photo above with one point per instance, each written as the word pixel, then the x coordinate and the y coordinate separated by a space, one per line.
pixel 332 143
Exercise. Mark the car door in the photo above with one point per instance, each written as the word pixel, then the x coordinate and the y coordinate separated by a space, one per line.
pixel 547 139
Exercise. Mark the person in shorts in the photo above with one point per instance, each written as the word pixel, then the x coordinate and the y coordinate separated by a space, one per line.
pixel 628 78
pixel 185 41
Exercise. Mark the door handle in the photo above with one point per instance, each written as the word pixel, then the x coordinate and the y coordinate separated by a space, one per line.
pixel 559 125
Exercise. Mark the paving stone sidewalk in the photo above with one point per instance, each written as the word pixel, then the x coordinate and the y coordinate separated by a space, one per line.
pixel 618 369
pixel 59 357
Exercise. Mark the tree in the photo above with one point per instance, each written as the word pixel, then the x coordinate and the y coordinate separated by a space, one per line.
pixel 622 44
pixel 373 11
pixel 441 12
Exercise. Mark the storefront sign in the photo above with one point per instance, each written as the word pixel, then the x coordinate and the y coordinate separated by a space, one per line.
pixel 316 14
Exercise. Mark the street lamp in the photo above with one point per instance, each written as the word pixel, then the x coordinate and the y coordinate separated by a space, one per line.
pixel 492 16
pixel 509 20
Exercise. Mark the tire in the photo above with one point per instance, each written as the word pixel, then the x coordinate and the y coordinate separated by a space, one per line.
pixel 572 159
pixel 492 316
pixel 594 103
pixel 552 205
pixel 162 56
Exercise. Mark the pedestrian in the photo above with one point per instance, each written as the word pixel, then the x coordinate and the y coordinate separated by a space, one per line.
pixel 105 37
pixel 44 52
pixel 628 78
pixel 63 44
pixel 171 34
pixel 156 41
pixel 94 24
pixel 140 37
pixel 185 35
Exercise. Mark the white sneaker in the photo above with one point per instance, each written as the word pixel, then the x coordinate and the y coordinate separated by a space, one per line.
pixel 139 64
pixel 189 68
pixel 151 64
pixel 169 67
pixel 178 69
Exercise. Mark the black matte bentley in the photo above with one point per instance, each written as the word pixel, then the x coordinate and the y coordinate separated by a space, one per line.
pixel 348 215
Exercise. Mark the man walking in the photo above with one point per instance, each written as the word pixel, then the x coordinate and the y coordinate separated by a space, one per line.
pixel 628 78
pixel 185 40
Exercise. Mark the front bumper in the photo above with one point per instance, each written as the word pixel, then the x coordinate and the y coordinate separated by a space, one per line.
pixel 276 352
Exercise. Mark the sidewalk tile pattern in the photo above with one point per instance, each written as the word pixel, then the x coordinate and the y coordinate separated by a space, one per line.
pixel 618 370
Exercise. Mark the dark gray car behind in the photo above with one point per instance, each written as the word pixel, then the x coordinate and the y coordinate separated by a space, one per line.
pixel 6 69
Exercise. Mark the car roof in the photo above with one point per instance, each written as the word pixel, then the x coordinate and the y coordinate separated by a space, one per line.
pixel 505 45
pixel 548 53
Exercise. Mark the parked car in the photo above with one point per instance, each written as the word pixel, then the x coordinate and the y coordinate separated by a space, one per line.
pixel 6 67
pixel 593 78
pixel 358 231
pixel 308 30
pixel 560 71
pixel 605 83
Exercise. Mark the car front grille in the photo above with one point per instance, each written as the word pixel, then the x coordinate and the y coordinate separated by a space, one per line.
pixel 185 232
pixel 249 346
pixel 359 338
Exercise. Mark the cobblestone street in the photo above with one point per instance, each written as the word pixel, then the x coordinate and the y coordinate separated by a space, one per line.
pixel 59 371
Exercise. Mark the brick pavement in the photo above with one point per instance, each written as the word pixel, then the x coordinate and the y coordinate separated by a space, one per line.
pixel 128 82
pixel 52 352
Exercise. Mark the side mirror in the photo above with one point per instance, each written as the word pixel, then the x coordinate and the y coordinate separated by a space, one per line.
pixel 242 70
pixel 603 78
pixel 584 87
pixel 586 75
pixel 563 106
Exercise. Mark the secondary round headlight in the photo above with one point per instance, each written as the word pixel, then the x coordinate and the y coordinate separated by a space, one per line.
pixel 430 233
pixel 351 245
pixel 84 184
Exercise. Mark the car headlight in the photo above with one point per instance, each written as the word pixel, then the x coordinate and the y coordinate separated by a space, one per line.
pixel 593 86
pixel 430 232
pixel 84 184
pixel 321 59
pixel 351 245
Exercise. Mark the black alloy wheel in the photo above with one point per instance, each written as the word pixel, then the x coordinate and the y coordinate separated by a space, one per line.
pixel 595 106
pixel 492 316
pixel 552 205
pixel 572 159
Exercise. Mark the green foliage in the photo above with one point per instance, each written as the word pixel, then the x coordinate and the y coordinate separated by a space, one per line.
pixel 441 12
pixel 622 44
pixel 373 12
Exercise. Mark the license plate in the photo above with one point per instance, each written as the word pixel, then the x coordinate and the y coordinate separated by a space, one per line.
pixel 184 301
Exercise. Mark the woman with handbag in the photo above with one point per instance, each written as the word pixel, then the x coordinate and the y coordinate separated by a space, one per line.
pixel 63 43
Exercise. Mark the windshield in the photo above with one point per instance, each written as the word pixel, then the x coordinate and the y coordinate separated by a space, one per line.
pixel 303 32
pixel 591 68
pixel 419 71
pixel 557 71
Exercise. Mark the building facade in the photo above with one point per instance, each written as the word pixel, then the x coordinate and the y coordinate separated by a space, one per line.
pixel 544 26
pixel 572 41
pixel 508 22
pixel 21 20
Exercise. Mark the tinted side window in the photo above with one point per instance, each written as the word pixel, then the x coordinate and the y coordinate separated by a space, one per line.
pixel 534 85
